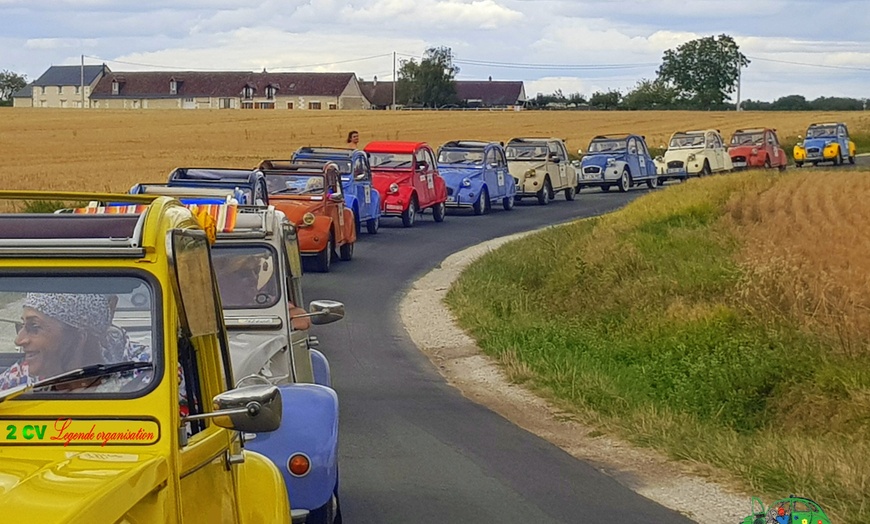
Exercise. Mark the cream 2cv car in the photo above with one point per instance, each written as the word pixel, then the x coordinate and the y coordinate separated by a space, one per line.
pixel 540 168
pixel 694 153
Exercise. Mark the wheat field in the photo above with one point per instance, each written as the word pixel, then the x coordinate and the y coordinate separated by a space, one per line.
pixel 99 150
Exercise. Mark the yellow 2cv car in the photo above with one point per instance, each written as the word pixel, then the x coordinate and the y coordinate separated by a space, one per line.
pixel 116 390
pixel 541 168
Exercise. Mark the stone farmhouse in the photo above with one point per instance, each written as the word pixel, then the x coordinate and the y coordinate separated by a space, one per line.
pixel 61 86
pixel 228 90
pixel 470 93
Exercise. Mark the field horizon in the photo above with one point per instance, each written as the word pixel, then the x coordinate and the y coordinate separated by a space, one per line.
pixel 110 150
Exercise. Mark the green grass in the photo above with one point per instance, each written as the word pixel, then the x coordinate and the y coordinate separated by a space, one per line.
pixel 634 320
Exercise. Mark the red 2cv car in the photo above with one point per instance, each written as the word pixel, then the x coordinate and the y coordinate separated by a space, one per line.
pixel 756 148
pixel 406 174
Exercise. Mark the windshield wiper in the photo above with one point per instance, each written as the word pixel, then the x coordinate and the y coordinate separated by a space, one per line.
pixel 94 371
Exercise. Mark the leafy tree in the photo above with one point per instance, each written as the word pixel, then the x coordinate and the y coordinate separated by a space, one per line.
pixel 9 83
pixel 429 83
pixel 835 103
pixel 755 105
pixel 650 94
pixel 542 101
pixel 704 71
pixel 608 100
pixel 791 103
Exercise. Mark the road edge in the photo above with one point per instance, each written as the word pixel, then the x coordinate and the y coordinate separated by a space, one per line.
pixel 433 329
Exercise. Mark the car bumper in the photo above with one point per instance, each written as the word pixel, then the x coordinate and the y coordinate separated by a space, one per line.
pixel 598 176
pixel 461 197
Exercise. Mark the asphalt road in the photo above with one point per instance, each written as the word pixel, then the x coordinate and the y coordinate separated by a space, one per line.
pixel 412 449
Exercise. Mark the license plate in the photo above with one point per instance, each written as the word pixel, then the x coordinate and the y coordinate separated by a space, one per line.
pixel 675 170
pixel 739 164
pixel 590 176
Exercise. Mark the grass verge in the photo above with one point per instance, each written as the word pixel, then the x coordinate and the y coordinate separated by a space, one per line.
pixel 641 321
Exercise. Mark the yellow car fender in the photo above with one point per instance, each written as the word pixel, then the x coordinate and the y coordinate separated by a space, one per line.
pixel 259 482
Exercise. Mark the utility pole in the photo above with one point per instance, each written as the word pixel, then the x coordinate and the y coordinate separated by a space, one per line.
pixel 739 75
pixel 394 80
pixel 82 84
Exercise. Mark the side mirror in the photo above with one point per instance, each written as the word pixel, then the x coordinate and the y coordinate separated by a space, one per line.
pixel 325 311
pixel 336 197
pixel 250 409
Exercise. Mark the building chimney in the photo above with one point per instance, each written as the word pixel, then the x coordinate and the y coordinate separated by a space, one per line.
pixel 375 81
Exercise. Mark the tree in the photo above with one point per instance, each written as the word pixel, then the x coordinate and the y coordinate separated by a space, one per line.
pixel 9 83
pixel 704 71
pixel 650 94
pixel 608 100
pixel 791 103
pixel 429 83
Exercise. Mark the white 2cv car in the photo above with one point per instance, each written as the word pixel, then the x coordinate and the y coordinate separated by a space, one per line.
pixel 694 153
pixel 540 167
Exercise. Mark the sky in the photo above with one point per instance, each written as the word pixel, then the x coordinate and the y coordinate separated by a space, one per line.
pixel 808 47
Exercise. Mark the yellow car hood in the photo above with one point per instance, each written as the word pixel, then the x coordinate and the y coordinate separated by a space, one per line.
pixel 78 487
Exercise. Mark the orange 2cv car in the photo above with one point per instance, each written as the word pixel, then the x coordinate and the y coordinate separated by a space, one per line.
pixel 311 198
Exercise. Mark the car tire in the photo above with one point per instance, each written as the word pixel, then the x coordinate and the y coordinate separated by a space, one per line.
pixel 767 163
pixel 852 160
pixel 569 194
pixel 653 182
pixel 705 171
pixel 409 216
pixel 544 193
pixel 624 181
pixel 323 260
pixel 357 221
pixel 508 203
pixel 439 211
pixel 345 252
pixel 373 224
pixel 798 165
pixel 329 513
pixel 481 206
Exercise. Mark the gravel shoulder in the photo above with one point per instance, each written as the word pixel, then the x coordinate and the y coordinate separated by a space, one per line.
pixel 680 486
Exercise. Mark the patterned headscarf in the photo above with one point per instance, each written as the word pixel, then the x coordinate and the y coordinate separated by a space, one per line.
pixel 80 310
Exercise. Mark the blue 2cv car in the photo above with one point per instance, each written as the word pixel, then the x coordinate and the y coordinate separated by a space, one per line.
pixel 618 160
pixel 476 175
pixel 251 183
pixel 356 181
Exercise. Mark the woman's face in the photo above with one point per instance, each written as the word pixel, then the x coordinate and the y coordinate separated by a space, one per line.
pixel 42 339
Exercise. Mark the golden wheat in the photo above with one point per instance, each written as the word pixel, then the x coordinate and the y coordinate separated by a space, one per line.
pixel 97 150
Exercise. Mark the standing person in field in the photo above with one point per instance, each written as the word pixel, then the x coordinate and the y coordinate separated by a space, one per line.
pixel 353 139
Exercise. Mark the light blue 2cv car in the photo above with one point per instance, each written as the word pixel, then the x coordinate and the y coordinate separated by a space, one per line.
pixel 618 160
pixel 476 175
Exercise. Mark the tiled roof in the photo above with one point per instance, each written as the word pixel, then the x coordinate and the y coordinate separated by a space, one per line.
pixel 485 92
pixel 24 92
pixel 140 84
pixel 69 75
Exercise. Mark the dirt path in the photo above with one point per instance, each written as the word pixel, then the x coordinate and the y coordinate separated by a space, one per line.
pixel 433 329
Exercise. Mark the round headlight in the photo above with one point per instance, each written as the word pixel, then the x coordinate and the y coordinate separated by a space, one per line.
pixel 530 173
pixel 690 157
pixel 611 161
pixel 754 150
pixel 394 188
pixel 308 219
pixel 466 182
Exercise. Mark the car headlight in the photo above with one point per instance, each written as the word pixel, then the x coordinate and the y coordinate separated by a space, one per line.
pixel 308 219
pixel 754 150
pixel 690 157
pixel 530 173
pixel 466 182
pixel 660 158
pixel 611 161
pixel 394 188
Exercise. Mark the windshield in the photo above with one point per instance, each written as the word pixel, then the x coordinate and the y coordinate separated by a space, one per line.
pixel 50 325
pixel 390 160
pixel 460 156
pixel 747 139
pixel 247 276
pixel 307 184
pixel 607 146
pixel 526 151
pixel 343 165
pixel 821 131
pixel 686 141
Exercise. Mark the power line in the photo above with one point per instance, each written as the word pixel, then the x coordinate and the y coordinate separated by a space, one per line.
pixel 825 66
pixel 336 63
pixel 551 67
pixel 139 64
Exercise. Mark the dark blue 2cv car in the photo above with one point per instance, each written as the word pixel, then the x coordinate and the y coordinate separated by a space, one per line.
pixel 618 160
pixel 250 182
pixel 476 175
pixel 356 181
